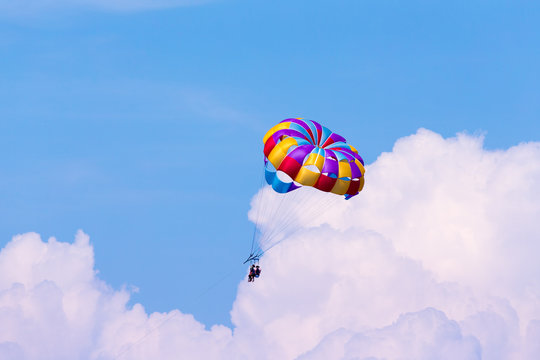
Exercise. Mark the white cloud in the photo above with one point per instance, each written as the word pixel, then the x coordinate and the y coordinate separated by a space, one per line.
pixel 436 258
pixel 423 335
pixel 52 306
pixel 467 214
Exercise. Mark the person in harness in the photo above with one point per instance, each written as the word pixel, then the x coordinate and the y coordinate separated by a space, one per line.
pixel 254 272
pixel 251 276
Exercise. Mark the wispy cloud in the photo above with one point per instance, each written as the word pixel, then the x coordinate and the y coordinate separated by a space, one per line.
pixel 35 7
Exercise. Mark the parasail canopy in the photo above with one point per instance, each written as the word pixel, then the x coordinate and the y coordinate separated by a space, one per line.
pixel 300 152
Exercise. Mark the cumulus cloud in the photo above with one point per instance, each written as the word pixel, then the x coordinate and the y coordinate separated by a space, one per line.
pixel 52 306
pixel 436 258
pixel 427 334
pixel 467 214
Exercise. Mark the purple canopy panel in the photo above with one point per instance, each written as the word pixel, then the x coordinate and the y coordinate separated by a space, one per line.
pixel 356 156
pixel 331 153
pixel 349 154
pixel 288 120
pixel 303 124
pixel 286 132
pixel 330 166
pixel 337 138
pixel 355 171
pixel 300 153
pixel 319 132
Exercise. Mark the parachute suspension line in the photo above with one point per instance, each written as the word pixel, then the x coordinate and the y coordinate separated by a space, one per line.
pixel 314 213
pixel 252 258
pixel 265 210
pixel 299 207
pixel 311 216
pixel 285 213
pixel 292 216
pixel 271 209
pixel 254 246
pixel 315 217
pixel 257 215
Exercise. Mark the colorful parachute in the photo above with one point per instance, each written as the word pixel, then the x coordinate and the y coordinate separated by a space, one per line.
pixel 311 155
pixel 301 154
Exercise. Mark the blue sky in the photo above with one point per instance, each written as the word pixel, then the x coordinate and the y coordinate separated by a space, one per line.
pixel 144 127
